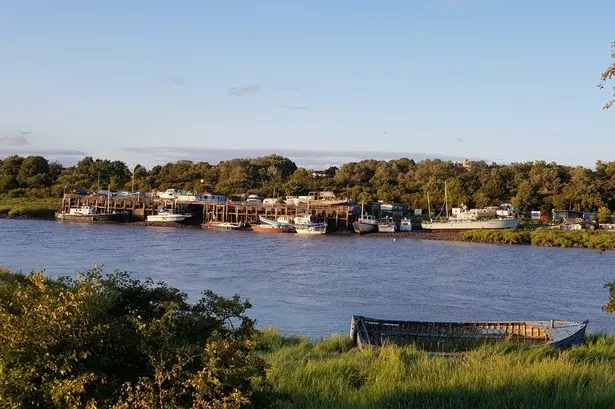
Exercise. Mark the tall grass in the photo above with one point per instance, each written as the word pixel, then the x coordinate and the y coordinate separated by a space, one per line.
pixel 593 239
pixel 497 236
pixel 329 374
pixel 29 206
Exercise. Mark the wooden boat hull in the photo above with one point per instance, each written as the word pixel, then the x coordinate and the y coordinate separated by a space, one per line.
pixel 374 332
pixel 118 217
pixel 222 226
pixel 364 228
pixel 266 228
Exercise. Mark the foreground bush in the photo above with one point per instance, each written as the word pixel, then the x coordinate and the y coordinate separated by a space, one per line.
pixel 100 342
pixel 330 375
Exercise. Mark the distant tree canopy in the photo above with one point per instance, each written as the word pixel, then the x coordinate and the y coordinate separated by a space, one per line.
pixel 607 75
pixel 529 185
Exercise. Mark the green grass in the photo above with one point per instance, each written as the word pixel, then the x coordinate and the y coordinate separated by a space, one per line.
pixel 592 239
pixel 29 207
pixel 331 374
pixel 497 236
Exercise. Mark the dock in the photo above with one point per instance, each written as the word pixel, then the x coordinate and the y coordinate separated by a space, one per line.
pixel 338 215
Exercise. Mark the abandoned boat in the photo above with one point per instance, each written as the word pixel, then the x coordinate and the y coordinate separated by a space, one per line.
pixel 374 332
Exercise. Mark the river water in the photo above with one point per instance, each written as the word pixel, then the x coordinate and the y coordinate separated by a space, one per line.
pixel 312 285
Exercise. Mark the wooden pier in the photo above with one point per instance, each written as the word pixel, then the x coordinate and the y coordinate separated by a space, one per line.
pixel 338 216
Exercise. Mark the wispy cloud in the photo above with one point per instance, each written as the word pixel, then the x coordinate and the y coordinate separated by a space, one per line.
pixel 176 81
pixel 313 159
pixel 296 107
pixel 17 140
pixel 246 90
pixel 48 153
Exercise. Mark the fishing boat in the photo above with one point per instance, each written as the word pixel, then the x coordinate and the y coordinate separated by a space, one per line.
pixel 495 217
pixel 306 226
pixel 165 215
pixel 90 214
pixel 214 225
pixel 271 226
pixel 405 224
pixel 367 332
pixel 387 225
pixel 366 223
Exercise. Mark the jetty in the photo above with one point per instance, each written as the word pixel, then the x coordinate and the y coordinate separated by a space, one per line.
pixel 338 214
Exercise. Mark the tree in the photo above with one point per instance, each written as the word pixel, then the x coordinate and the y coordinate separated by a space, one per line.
pixel 608 75
pixel 603 215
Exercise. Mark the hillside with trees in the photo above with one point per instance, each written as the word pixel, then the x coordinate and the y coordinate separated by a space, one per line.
pixel 528 185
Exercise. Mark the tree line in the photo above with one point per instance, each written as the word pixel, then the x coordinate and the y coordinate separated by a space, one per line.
pixel 528 185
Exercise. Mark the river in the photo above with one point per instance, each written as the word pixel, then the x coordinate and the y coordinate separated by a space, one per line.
pixel 312 285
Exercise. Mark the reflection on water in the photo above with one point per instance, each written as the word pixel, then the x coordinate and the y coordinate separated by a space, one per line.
pixel 312 285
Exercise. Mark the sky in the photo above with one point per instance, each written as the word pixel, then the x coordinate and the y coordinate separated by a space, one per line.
pixel 321 82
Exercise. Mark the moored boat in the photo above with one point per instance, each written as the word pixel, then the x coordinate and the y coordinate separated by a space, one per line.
pixel 165 215
pixel 213 225
pixel 405 224
pixel 374 332
pixel 89 214
pixel 495 217
pixel 365 224
pixel 271 226
pixel 387 225
pixel 306 226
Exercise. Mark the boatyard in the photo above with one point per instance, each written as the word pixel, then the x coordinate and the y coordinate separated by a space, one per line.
pixel 338 215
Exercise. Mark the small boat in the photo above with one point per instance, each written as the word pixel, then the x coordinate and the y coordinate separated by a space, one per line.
pixel 89 214
pixel 405 224
pixel 387 225
pixel 213 225
pixel 305 225
pixel 365 224
pixel 271 226
pixel 374 332
pixel 165 215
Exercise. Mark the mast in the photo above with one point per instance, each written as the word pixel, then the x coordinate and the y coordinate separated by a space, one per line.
pixel 108 195
pixel 445 198
pixel 429 208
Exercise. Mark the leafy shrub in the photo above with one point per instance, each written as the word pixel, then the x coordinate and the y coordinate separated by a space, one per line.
pixel 117 342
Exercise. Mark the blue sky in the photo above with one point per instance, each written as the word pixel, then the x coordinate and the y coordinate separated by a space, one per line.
pixel 157 81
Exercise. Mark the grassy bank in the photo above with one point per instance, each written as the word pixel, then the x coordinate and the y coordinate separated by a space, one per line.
pixel 330 374
pixel 497 236
pixel 43 208
pixel 592 239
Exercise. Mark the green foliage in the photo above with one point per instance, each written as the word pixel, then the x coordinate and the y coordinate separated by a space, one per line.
pixel 29 206
pixel 118 342
pixel 592 239
pixel 610 305
pixel 603 215
pixel 497 236
pixel 530 185
pixel 607 75
pixel 502 375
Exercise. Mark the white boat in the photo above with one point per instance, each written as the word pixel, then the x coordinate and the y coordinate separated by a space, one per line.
pixel 305 225
pixel 462 218
pixel 405 224
pixel 366 223
pixel 387 225
pixel 165 215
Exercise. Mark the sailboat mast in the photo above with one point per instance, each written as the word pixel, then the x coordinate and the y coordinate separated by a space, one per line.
pixel 445 199
pixel 108 195
pixel 428 208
